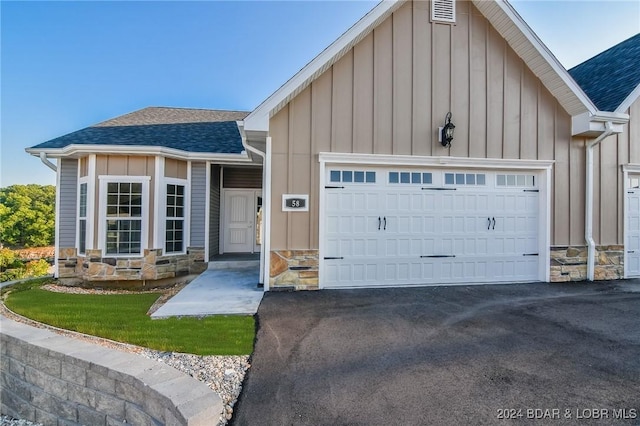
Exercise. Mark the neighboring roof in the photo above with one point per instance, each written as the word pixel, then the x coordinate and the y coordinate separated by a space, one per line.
pixel 184 129
pixel 498 12
pixel 611 76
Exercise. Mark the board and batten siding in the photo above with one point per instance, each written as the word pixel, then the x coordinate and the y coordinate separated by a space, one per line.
pixel 391 92
pixel 198 204
pixel 614 151
pixel 125 165
pixel 68 205
pixel 214 212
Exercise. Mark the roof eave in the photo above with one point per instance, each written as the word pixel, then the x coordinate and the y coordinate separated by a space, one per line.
pixel 74 150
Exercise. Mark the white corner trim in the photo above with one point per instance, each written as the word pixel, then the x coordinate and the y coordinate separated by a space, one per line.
pixel 258 120
pixel 266 216
pixel 91 202
pixel 427 161
pixel 187 214
pixel 207 211
pixel 157 196
pixel 321 223
pixel 56 237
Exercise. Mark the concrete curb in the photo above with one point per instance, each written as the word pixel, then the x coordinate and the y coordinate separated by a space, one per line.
pixel 48 378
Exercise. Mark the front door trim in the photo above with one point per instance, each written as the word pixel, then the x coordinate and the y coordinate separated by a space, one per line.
pixel 224 222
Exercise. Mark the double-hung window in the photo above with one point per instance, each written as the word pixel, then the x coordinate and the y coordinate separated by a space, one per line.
pixel 124 209
pixel 174 222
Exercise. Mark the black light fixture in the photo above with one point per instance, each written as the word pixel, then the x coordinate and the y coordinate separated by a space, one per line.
pixel 446 132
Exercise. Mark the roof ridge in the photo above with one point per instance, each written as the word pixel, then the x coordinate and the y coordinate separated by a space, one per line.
pixel 196 109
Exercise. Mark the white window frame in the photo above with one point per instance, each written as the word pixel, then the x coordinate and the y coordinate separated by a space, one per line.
pixel 162 215
pixel 89 179
pixel 83 181
pixel 144 219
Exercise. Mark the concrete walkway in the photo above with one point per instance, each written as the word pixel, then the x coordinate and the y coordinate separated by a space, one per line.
pixel 216 292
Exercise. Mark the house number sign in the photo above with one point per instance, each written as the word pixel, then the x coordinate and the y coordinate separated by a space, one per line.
pixel 295 202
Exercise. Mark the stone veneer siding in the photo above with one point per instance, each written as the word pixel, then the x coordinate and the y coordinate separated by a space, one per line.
pixel 298 269
pixel 294 270
pixel 93 267
pixel 570 263
pixel 55 380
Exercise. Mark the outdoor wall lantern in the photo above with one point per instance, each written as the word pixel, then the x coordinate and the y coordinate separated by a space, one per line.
pixel 445 134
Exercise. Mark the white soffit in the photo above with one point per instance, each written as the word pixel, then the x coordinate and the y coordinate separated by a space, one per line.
pixel 536 55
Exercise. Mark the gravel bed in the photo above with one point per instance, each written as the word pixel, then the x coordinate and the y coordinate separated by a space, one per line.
pixel 10 421
pixel 222 374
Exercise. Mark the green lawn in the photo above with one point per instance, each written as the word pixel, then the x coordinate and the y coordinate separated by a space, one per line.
pixel 123 318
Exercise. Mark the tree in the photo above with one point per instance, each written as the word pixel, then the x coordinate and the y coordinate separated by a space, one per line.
pixel 27 215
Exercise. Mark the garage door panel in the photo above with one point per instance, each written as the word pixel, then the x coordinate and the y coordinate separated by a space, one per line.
pixel 452 234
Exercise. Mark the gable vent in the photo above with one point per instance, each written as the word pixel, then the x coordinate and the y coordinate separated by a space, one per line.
pixel 443 11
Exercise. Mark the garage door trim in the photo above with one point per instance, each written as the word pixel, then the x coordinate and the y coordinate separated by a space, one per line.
pixel 542 167
pixel 629 171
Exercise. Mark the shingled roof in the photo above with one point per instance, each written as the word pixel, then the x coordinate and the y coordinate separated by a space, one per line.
pixel 609 77
pixel 186 129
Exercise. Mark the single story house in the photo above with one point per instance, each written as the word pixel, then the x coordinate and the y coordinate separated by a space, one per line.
pixel 434 142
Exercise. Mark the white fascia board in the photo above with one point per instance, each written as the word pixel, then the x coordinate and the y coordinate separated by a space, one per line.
pixel 258 120
pixel 540 47
pixel 71 150
pixel 588 124
pixel 425 161
pixel 629 100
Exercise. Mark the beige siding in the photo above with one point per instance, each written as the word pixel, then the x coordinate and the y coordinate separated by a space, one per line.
pixel 84 166
pixel 126 165
pixel 391 92
pixel 175 168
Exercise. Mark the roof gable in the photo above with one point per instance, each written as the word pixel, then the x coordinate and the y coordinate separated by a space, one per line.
pixel 610 77
pixel 499 14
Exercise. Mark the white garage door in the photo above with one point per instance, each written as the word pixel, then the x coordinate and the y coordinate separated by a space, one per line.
pixel 389 227
pixel 632 243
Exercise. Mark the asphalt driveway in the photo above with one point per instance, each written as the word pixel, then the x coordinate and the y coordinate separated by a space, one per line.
pixel 539 353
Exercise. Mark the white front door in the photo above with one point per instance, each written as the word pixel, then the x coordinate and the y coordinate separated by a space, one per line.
pixel 239 221
pixel 632 243
pixel 414 227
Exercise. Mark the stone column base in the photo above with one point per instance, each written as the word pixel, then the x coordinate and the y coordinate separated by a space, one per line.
pixel 294 270
pixel 570 263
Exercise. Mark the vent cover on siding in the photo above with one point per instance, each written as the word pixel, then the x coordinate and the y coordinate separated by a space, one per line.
pixel 443 10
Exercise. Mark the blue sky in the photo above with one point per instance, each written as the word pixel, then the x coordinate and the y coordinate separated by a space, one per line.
pixel 67 65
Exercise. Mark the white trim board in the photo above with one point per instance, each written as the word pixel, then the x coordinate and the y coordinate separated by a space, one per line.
pixel 426 161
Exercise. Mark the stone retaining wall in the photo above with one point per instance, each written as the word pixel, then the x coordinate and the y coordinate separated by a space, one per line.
pixel 294 269
pixel 570 263
pixel 54 380
pixel 94 268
